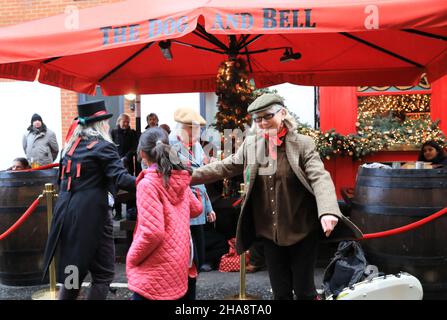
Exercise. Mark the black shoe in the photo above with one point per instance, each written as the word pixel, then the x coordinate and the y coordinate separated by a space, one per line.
pixel 206 268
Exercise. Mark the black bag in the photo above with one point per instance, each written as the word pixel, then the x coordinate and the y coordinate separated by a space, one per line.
pixel 348 267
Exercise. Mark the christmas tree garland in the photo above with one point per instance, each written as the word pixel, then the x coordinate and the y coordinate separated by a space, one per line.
pixel 381 125
pixel 412 133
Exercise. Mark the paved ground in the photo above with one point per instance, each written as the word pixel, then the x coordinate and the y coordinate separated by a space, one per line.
pixel 212 285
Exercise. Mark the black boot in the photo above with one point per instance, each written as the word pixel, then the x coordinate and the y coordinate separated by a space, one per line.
pixel 98 291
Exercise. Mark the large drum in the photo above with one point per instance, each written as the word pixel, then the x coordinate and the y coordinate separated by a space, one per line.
pixel 21 253
pixel 390 198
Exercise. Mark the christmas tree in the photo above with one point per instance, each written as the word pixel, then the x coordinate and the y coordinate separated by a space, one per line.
pixel 235 93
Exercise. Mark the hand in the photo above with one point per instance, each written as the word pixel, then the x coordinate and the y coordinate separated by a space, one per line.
pixel 211 217
pixel 328 222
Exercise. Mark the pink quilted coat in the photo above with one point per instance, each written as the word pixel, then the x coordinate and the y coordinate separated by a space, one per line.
pixel 158 259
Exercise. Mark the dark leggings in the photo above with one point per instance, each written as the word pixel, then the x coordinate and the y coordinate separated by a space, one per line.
pixel 291 268
pixel 198 236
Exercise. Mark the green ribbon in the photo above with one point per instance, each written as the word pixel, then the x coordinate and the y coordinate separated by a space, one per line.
pixel 247 177
pixel 81 120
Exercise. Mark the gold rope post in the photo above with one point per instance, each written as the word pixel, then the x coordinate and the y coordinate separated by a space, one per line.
pixel 49 294
pixel 242 271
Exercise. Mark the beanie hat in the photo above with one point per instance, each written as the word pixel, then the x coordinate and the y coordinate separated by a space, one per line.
pixel 36 117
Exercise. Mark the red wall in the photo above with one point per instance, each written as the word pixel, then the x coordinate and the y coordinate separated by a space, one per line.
pixel 439 102
pixel 338 110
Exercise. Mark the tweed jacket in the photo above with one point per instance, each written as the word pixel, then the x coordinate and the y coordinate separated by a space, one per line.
pixel 250 160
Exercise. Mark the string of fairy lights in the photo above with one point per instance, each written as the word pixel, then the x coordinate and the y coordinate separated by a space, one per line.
pixel 371 106
pixel 235 93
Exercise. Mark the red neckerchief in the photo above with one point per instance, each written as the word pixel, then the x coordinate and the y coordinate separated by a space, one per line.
pixel 275 141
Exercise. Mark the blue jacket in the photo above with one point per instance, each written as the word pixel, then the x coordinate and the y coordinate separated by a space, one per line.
pixel 196 160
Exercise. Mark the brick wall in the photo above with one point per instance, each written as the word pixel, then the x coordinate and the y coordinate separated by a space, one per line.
pixel 130 113
pixel 18 11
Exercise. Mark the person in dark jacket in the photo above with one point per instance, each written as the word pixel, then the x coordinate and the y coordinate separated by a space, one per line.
pixel 432 152
pixel 152 120
pixel 126 140
pixel 82 231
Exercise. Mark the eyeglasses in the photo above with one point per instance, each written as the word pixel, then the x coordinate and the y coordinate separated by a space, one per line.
pixel 268 116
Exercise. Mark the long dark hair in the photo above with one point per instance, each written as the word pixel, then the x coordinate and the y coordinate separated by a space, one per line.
pixel 155 145
pixel 439 152
pixel 23 161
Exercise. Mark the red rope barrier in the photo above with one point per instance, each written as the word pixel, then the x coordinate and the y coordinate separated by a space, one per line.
pixel 405 228
pixel 22 219
pixel 47 166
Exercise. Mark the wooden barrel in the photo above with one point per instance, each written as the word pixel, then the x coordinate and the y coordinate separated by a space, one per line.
pixel 21 253
pixel 389 198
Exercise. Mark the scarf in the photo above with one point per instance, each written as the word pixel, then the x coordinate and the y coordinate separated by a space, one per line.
pixel 275 141
pixel 34 130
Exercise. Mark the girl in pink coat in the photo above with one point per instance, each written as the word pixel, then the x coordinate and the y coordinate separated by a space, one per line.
pixel 159 258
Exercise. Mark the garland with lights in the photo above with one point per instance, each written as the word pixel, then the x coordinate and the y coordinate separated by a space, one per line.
pixel 383 123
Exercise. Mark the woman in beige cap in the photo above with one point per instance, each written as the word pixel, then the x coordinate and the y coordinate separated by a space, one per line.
pixel 185 139
pixel 288 194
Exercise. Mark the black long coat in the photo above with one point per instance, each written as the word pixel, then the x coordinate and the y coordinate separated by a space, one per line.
pixel 127 143
pixel 80 213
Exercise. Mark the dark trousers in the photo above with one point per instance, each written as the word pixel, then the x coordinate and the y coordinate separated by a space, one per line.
pixel 257 258
pixel 189 295
pixel 102 268
pixel 291 268
pixel 216 245
pixel 198 236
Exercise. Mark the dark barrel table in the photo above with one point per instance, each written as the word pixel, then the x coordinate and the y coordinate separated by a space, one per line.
pixel 390 198
pixel 21 253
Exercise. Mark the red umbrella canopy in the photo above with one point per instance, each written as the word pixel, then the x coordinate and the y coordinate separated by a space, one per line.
pixel 162 46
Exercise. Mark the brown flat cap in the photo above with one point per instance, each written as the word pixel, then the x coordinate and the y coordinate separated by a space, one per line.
pixel 264 102
pixel 188 116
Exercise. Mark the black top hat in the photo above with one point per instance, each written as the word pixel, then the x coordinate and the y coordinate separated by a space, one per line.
pixel 92 111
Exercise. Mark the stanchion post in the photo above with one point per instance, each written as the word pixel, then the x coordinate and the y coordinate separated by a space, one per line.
pixel 50 194
pixel 242 269
pixel 242 277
